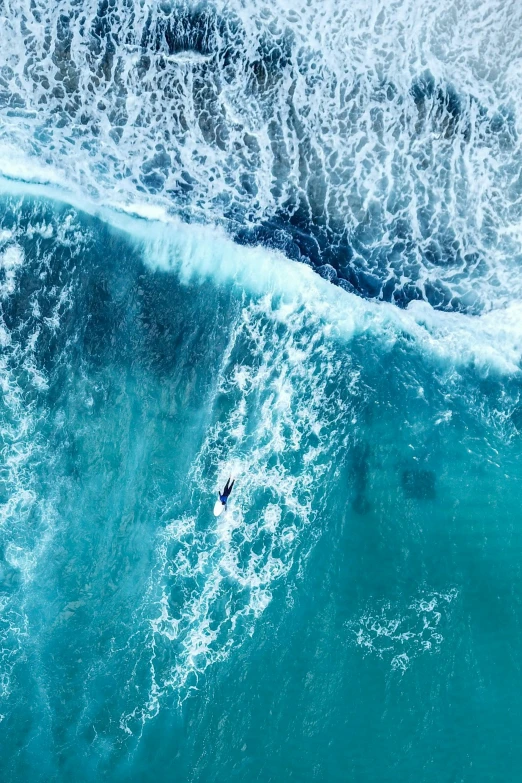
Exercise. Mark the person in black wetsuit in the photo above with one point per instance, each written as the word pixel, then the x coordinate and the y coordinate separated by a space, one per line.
pixel 223 496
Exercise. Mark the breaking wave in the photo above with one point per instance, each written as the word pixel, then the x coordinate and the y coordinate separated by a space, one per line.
pixel 378 143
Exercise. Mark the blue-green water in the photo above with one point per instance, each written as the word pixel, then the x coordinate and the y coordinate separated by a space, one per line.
pixel 281 241
pixel 355 614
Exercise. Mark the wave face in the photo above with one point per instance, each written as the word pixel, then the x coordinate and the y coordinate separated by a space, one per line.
pixel 377 142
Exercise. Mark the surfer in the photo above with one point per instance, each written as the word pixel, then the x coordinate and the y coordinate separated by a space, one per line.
pixel 221 503
pixel 223 496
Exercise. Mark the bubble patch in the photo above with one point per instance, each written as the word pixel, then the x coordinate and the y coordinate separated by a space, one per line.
pixel 400 637
pixel 280 429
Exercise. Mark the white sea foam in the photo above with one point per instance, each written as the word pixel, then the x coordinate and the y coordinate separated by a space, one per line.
pixel 393 125
pixel 492 342
pixel 19 445
pixel 11 260
pixel 280 390
pixel 26 519
pixel 401 635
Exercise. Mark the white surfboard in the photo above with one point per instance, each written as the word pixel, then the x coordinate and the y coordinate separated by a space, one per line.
pixel 218 508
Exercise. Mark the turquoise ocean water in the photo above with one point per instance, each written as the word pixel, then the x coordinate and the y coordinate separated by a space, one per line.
pixel 315 290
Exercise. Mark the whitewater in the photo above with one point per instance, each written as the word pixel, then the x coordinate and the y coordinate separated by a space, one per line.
pixel 280 241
